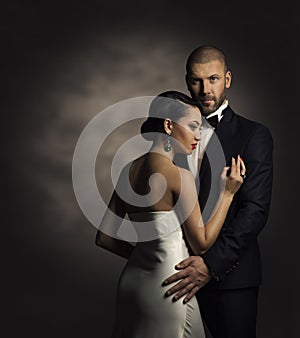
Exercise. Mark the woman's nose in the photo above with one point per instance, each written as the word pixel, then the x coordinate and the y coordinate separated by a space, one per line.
pixel 198 135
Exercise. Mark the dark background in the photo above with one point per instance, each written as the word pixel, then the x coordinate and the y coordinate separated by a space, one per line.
pixel 62 63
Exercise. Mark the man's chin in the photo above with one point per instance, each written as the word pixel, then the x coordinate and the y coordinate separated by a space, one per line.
pixel 205 111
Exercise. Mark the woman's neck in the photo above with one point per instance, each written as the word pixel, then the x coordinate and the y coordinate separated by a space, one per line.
pixel 158 147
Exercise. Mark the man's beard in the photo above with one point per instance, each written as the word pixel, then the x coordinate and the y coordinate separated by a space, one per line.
pixel 208 110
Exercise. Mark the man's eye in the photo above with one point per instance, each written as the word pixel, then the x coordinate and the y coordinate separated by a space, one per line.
pixel 214 78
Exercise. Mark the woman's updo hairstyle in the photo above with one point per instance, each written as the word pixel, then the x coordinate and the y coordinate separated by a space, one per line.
pixel 168 105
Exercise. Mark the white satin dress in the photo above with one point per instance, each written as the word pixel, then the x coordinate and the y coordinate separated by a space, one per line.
pixel 142 310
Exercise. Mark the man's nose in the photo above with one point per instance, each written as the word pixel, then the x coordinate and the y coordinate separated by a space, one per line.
pixel 205 87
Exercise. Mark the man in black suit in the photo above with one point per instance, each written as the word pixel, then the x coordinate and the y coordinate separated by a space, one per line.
pixel 226 278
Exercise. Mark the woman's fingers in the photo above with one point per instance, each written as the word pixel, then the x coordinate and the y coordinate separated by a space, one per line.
pixel 224 173
pixel 237 174
pixel 234 167
pixel 238 167
pixel 243 168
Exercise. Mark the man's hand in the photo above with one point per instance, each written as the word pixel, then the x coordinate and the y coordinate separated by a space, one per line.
pixel 193 275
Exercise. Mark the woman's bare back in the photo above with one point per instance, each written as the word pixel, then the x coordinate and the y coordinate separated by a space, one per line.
pixel 161 195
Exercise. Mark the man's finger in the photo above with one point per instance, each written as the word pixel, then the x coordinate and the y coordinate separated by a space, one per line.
pixel 191 294
pixel 176 277
pixel 181 285
pixel 183 292
pixel 184 263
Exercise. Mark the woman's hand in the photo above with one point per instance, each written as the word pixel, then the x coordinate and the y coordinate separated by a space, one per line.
pixel 234 180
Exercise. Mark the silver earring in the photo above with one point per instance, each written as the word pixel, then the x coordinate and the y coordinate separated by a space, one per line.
pixel 168 145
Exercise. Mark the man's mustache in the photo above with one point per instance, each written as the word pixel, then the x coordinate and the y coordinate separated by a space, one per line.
pixel 205 98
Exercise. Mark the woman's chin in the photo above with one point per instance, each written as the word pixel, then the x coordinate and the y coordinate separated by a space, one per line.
pixel 183 151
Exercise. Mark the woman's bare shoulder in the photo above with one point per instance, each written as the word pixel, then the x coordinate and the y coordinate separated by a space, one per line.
pixel 180 178
pixel 186 174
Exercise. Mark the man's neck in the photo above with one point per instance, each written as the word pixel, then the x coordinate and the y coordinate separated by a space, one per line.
pixel 219 110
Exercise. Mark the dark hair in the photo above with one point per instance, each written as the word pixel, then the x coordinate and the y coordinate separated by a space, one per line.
pixel 167 105
pixel 206 54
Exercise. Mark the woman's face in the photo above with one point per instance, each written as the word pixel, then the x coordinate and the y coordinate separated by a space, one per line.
pixel 186 131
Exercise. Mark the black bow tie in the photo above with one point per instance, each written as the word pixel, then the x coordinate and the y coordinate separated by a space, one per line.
pixel 213 121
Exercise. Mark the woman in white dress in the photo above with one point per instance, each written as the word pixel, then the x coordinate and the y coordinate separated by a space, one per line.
pixel 167 219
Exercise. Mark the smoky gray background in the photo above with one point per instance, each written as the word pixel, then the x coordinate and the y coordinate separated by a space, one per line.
pixel 62 63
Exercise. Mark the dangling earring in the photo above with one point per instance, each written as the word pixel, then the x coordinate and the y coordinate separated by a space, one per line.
pixel 168 145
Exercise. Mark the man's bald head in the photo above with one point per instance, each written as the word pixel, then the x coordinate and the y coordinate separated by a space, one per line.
pixel 206 54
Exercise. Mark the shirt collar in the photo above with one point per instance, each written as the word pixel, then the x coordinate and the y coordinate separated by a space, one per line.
pixel 219 111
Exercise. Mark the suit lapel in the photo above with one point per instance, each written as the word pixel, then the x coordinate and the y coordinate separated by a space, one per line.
pixel 221 135
pixel 223 131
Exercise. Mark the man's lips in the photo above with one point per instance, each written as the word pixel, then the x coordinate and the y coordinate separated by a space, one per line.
pixel 206 101
pixel 194 145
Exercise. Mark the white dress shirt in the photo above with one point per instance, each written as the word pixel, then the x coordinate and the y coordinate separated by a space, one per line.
pixel 195 159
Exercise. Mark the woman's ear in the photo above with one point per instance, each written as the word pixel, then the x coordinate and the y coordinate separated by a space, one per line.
pixel 168 126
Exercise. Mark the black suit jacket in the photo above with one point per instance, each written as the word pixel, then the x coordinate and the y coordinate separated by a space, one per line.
pixel 235 256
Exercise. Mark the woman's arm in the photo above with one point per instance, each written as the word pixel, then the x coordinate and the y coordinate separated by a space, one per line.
pixel 110 224
pixel 201 237
pixel 116 246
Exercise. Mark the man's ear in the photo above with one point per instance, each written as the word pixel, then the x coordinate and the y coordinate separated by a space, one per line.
pixel 228 77
pixel 168 126
pixel 187 81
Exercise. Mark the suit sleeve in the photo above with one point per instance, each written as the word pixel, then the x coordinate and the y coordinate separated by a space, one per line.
pixel 250 208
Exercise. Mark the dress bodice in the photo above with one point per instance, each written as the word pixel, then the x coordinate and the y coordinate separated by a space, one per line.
pixel 154 225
